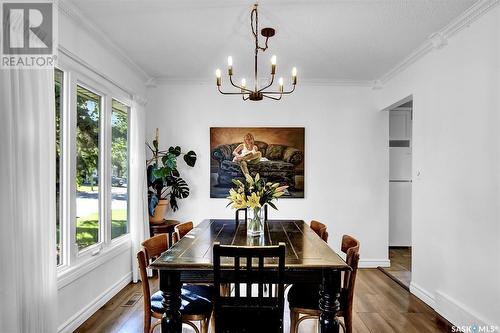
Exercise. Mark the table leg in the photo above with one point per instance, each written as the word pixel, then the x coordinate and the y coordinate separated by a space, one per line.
pixel 329 302
pixel 170 285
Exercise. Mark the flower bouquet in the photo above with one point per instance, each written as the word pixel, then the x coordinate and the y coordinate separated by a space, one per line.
pixel 253 195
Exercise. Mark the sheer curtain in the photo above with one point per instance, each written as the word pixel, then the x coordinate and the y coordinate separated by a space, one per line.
pixel 27 201
pixel 139 220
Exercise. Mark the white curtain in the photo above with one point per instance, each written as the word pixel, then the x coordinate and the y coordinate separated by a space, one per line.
pixel 139 221
pixel 27 201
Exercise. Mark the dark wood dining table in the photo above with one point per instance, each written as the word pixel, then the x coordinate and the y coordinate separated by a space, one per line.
pixel 308 259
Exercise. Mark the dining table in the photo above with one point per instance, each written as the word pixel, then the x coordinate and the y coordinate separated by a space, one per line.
pixel 308 259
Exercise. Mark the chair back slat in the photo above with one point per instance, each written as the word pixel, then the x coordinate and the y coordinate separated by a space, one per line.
pixel 242 308
pixel 350 280
pixel 182 229
pixel 146 292
pixel 320 229
pixel 237 275
pixel 155 246
pixel 349 243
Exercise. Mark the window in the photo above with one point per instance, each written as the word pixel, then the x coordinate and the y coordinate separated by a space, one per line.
pixel 58 85
pixel 92 166
pixel 119 169
pixel 88 109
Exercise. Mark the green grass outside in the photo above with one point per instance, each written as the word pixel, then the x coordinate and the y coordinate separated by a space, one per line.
pixel 87 227
pixel 87 188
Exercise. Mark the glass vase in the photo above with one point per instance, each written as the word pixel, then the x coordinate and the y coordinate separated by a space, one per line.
pixel 255 221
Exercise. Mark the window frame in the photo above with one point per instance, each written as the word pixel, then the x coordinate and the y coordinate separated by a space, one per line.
pixel 129 107
pixel 75 262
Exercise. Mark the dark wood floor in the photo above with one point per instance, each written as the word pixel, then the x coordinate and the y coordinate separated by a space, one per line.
pixel 400 265
pixel 380 306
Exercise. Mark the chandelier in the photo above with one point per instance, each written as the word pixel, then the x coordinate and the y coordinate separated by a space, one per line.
pixel 257 94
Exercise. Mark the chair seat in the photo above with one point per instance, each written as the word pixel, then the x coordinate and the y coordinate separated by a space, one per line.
pixel 195 299
pixel 307 296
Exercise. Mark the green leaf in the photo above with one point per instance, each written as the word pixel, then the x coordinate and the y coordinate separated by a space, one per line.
pixel 272 205
pixel 190 158
pixel 170 162
pixel 175 151
pixel 153 202
pixel 156 173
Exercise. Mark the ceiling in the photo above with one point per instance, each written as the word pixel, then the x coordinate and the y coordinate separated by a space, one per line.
pixel 354 40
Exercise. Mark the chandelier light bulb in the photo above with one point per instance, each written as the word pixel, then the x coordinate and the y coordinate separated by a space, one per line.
pixel 281 81
pixel 273 65
pixel 230 65
pixel 294 75
pixel 243 83
pixel 218 74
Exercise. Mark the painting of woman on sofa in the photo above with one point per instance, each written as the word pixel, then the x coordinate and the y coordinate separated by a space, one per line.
pixel 277 154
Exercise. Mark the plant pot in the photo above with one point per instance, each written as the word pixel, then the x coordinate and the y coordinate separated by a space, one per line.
pixel 160 211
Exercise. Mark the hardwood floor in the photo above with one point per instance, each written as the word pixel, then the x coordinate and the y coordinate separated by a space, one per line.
pixel 400 265
pixel 380 306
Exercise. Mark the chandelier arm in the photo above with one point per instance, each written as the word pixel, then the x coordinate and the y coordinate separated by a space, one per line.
pixel 237 86
pixel 270 84
pixel 270 97
pixel 245 98
pixel 229 93
pixel 280 93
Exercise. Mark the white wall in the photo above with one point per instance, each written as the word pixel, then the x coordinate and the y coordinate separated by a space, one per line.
pixel 456 141
pixel 346 154
pixel 83 290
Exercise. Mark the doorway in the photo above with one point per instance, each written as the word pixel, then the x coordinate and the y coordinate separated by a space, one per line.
pixel 400 190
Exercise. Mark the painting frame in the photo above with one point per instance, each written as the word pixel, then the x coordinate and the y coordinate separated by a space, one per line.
pixel 276 153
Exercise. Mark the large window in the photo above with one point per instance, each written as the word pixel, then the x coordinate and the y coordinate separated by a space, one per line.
pixel 119 169
pixel 58 84
pixel 88 109
pixel 92 154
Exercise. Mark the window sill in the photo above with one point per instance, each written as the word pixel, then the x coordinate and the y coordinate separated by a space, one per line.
pixel 68 274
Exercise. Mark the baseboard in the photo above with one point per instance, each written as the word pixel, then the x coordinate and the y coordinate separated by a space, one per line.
pixel 374 263
pixel 459 315
pixel 423 294
pixel 79 318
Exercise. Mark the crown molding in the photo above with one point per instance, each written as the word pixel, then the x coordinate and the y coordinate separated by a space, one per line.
pixel 440 38
pixel 73 13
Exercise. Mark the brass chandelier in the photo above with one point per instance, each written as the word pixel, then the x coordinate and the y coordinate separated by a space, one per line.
pixel 257 94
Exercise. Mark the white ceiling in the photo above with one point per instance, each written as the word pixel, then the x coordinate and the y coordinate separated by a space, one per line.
pixel 354 40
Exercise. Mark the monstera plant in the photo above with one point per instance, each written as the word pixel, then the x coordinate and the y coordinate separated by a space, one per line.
pixel 165 184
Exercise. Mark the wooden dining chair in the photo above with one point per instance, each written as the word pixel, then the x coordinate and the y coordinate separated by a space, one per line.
pixel 175 238
pixel 182 229
pixel 196 299
pixel 304 299
pixel 249 309
pixel 320 229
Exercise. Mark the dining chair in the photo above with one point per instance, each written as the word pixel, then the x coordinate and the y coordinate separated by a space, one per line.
pixel 182 229
pixel 196 300
pixel 249 309
pixel 175 238
pixel 304 299
pixel 320 229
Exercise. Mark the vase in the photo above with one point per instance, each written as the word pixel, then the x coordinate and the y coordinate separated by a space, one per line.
pixel 255 222
pixel 159 212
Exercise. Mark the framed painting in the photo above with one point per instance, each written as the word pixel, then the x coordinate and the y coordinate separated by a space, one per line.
pixel 275 153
